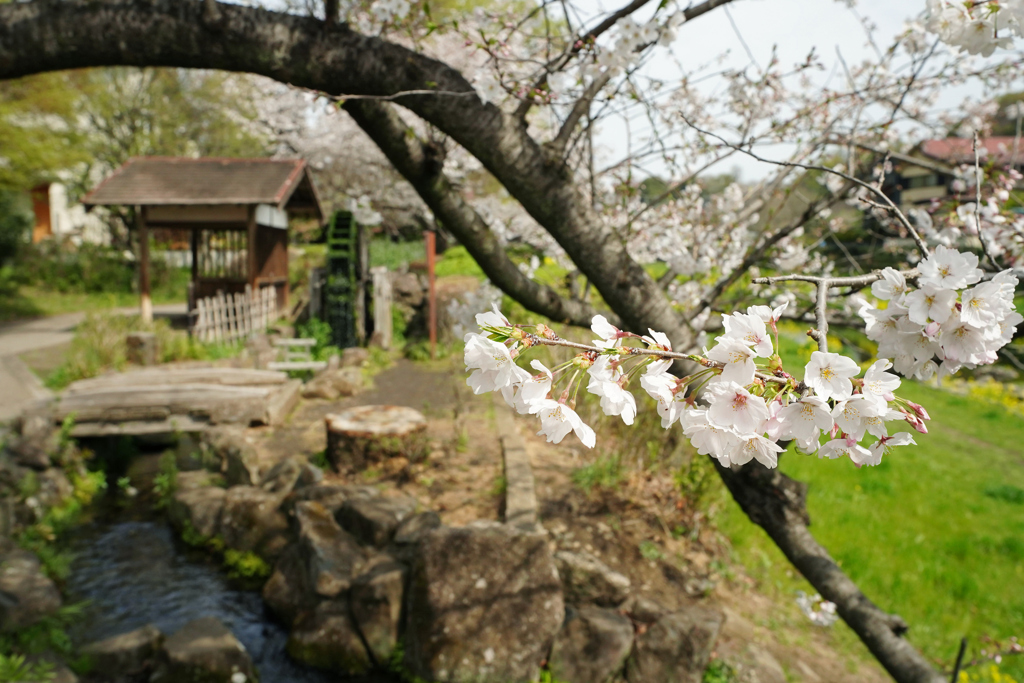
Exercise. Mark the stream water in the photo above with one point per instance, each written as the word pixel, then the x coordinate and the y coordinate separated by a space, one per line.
pixel 133 573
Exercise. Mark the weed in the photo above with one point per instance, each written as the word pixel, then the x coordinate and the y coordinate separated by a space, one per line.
pixel 319 459
pixel 166 482
pixel 192 537
pixel 604 473
pixel 986 674
pixel 1006 493
pixel 462 440
pixel 14 668
pixel 547 677
pixel 719 672
pixel 500 487
pixel 246 564
pixel 650 550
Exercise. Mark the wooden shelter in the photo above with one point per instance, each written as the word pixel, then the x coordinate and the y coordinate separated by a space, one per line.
pixel 233 213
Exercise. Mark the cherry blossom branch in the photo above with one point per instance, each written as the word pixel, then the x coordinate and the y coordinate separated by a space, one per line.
pixel 537 340
pixel 854 281
pixel 821 316
pixel 889 205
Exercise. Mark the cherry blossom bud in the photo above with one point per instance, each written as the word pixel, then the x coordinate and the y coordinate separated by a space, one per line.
pixel 919 409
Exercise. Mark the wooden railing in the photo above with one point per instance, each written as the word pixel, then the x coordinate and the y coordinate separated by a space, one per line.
pixel 230 317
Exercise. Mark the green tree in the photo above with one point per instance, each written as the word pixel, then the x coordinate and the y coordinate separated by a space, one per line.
pixel 39 135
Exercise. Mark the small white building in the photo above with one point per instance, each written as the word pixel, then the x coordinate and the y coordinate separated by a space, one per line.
pixel 56 217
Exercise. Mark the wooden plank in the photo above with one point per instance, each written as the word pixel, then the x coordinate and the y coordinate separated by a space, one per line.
pixel 297 365
pixel 295 342
pixel 216 403
pixel 175 376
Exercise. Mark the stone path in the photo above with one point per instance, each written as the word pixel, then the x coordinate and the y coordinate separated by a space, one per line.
pixel 19 386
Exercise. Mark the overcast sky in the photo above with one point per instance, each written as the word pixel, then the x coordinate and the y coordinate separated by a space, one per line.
pixel 794 26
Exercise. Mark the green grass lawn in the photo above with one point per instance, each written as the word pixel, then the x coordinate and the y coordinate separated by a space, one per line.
pixel 935 533
pixel 31 302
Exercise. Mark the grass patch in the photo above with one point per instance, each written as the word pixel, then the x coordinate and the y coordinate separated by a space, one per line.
pixel 604 473
pixel 384 252
pixel 935 533
pixel 457 261
pixel 100 345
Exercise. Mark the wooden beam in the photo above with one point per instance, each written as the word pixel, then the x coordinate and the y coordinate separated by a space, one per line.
pixel 145 301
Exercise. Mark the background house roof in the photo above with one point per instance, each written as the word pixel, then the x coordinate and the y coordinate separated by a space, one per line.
pixel 961 150
pixel 154 181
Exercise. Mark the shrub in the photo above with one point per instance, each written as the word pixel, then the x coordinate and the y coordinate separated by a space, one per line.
pixel 15 224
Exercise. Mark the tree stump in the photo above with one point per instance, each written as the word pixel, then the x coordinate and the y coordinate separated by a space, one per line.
pixel 367 435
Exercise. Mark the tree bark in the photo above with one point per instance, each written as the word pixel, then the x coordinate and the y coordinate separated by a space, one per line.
pixel 413 160
pixel 777 504
pixel 48 35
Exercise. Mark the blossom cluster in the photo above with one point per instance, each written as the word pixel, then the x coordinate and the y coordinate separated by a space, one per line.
pixel 821 612
pixel 944 318
pixel 976 27
pixel 737 407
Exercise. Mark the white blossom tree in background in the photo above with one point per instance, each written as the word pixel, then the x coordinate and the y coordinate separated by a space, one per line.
pixel 496 119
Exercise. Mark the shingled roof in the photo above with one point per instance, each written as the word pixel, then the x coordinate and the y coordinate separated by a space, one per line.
pixel 154 181
pixel 961 150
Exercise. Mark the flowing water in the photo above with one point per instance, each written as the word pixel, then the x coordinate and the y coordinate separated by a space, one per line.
pixel 133 573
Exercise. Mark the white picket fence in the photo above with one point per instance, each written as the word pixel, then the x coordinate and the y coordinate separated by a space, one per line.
pixel 230 317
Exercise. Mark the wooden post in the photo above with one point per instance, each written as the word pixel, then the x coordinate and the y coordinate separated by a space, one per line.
pixel 145 302
pixel 251 249
pixel 194 234
pixel 382 321
pixel 431 293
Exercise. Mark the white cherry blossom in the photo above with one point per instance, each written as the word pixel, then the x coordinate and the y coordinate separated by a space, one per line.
pixel 839 448
pixel 947 268
pixel 735 408
pixel 880 385
pixel 492 361
pixel 708 438
pixel 738 360
pixel 828 374
pixel 749 329
pixel 757 447
pixel 557 419
pixel 533 388
pixel 806 419
pixel 892 285
pixel 881 447
pixel 929 303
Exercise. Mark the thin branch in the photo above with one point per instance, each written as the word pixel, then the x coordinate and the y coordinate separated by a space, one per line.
pixel 855 281
pixel 921 246
pixel 536 340
pixel 821 316
pixel 977 203
pixel 580 109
